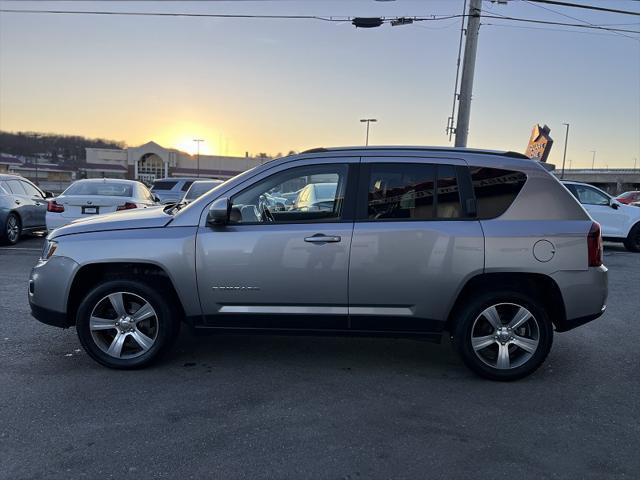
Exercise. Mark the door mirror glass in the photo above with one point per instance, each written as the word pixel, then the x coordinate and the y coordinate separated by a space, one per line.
pixel 219 212
pixel 48 194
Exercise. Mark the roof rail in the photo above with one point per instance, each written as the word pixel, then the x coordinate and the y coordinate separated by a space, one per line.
pixel 316 150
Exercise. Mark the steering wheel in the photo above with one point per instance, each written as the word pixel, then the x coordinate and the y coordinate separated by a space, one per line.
pixel 265 213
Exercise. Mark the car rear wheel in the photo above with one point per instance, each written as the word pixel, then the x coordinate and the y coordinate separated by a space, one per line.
pixel 632 242
pixel 12 230
pixel 503 336
pixel 126 324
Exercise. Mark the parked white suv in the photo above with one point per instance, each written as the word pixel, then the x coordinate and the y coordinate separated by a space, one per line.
pixel 619 222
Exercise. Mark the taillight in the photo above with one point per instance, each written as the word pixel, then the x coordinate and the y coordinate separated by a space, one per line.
pixel 594 244
pixel 55 207
pixel 126 206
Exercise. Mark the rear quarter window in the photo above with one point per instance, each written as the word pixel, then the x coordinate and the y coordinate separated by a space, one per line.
pixel 495 190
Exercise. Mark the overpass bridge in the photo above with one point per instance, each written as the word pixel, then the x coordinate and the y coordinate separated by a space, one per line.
pixel 612 180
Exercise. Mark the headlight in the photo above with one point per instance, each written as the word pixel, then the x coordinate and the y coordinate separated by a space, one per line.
pixel 50 247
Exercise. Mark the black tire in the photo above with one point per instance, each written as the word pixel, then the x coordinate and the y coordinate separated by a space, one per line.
pixel 8 237
pixel 166 323
pixel 632 242
pixel 465 325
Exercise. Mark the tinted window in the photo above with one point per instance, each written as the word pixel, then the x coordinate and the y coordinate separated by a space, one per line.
pixel 31 190
pixel 269 200
pixel 448 193
pixel 186 185
pixel 163 185
pixel 589 196
pixel 16 187
pixel 495 189
pixel 408 191
pixel 109 189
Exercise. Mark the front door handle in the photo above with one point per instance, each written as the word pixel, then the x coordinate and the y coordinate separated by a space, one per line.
pixel 321 238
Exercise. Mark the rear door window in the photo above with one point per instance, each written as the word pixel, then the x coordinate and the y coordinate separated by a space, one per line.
pixel 495 190
pixel 407 191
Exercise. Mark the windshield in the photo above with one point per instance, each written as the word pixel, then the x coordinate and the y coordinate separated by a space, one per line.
pixel 108 189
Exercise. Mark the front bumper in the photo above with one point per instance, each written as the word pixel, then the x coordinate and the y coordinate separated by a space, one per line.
pixel 49 286
pixel 49 317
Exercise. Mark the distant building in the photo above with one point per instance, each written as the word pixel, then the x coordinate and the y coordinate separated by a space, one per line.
pixel 47 175
pixel 151 161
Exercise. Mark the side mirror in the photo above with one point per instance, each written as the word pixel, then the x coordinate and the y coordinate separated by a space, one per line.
pixel 156 198
pixel 48 194
pixel 614 204
pixel 219 210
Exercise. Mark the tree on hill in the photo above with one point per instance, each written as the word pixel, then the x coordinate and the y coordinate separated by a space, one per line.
pixel 64 149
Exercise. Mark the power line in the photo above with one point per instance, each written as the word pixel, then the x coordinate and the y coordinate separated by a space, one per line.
pixel 547 22
pixel 573 18
pixel 334 19
pixel 587 7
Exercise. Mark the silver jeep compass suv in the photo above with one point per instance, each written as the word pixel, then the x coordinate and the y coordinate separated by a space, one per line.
pixel 486 246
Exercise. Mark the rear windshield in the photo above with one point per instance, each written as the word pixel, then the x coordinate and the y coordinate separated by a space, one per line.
pixel 163 185
pixel 109 189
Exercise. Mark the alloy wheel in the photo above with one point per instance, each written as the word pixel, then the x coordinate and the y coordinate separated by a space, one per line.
pixel 13 229
pixel 505 336
pixel 123 325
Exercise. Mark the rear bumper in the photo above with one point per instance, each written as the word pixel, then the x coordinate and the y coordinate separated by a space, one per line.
pixel 584 294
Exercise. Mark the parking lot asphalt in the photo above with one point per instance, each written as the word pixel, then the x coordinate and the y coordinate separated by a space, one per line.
pixel 317 407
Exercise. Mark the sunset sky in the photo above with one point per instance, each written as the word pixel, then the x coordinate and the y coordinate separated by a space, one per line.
pixel 279 85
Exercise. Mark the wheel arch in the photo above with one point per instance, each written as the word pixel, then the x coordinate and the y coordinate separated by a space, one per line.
pixel 542 287
pixel 89 275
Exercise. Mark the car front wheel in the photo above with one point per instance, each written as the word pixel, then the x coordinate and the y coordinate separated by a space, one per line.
pixel 503 336
pixel 126 324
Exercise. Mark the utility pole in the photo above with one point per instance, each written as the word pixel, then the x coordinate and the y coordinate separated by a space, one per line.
pixel 368 121
pixel 468 68
pixel 593 160
pixel 564 157
pixel 198 141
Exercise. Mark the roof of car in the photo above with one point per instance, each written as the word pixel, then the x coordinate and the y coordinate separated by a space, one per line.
pixel 8 176
pixel 105 180
pixel 420 148
pixel 177 179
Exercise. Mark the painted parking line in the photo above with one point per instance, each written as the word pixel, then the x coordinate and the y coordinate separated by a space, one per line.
pixel 22 249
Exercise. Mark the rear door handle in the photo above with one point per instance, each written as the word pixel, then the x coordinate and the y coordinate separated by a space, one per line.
pixel 18 202
pixel 321 238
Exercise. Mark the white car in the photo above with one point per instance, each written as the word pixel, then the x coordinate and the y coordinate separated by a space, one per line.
pixel 619 222
pixel 91 197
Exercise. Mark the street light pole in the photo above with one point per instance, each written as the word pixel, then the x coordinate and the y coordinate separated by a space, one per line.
pixel 198 140
pixel 593 160
pixel 564 157
pixel 367 121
